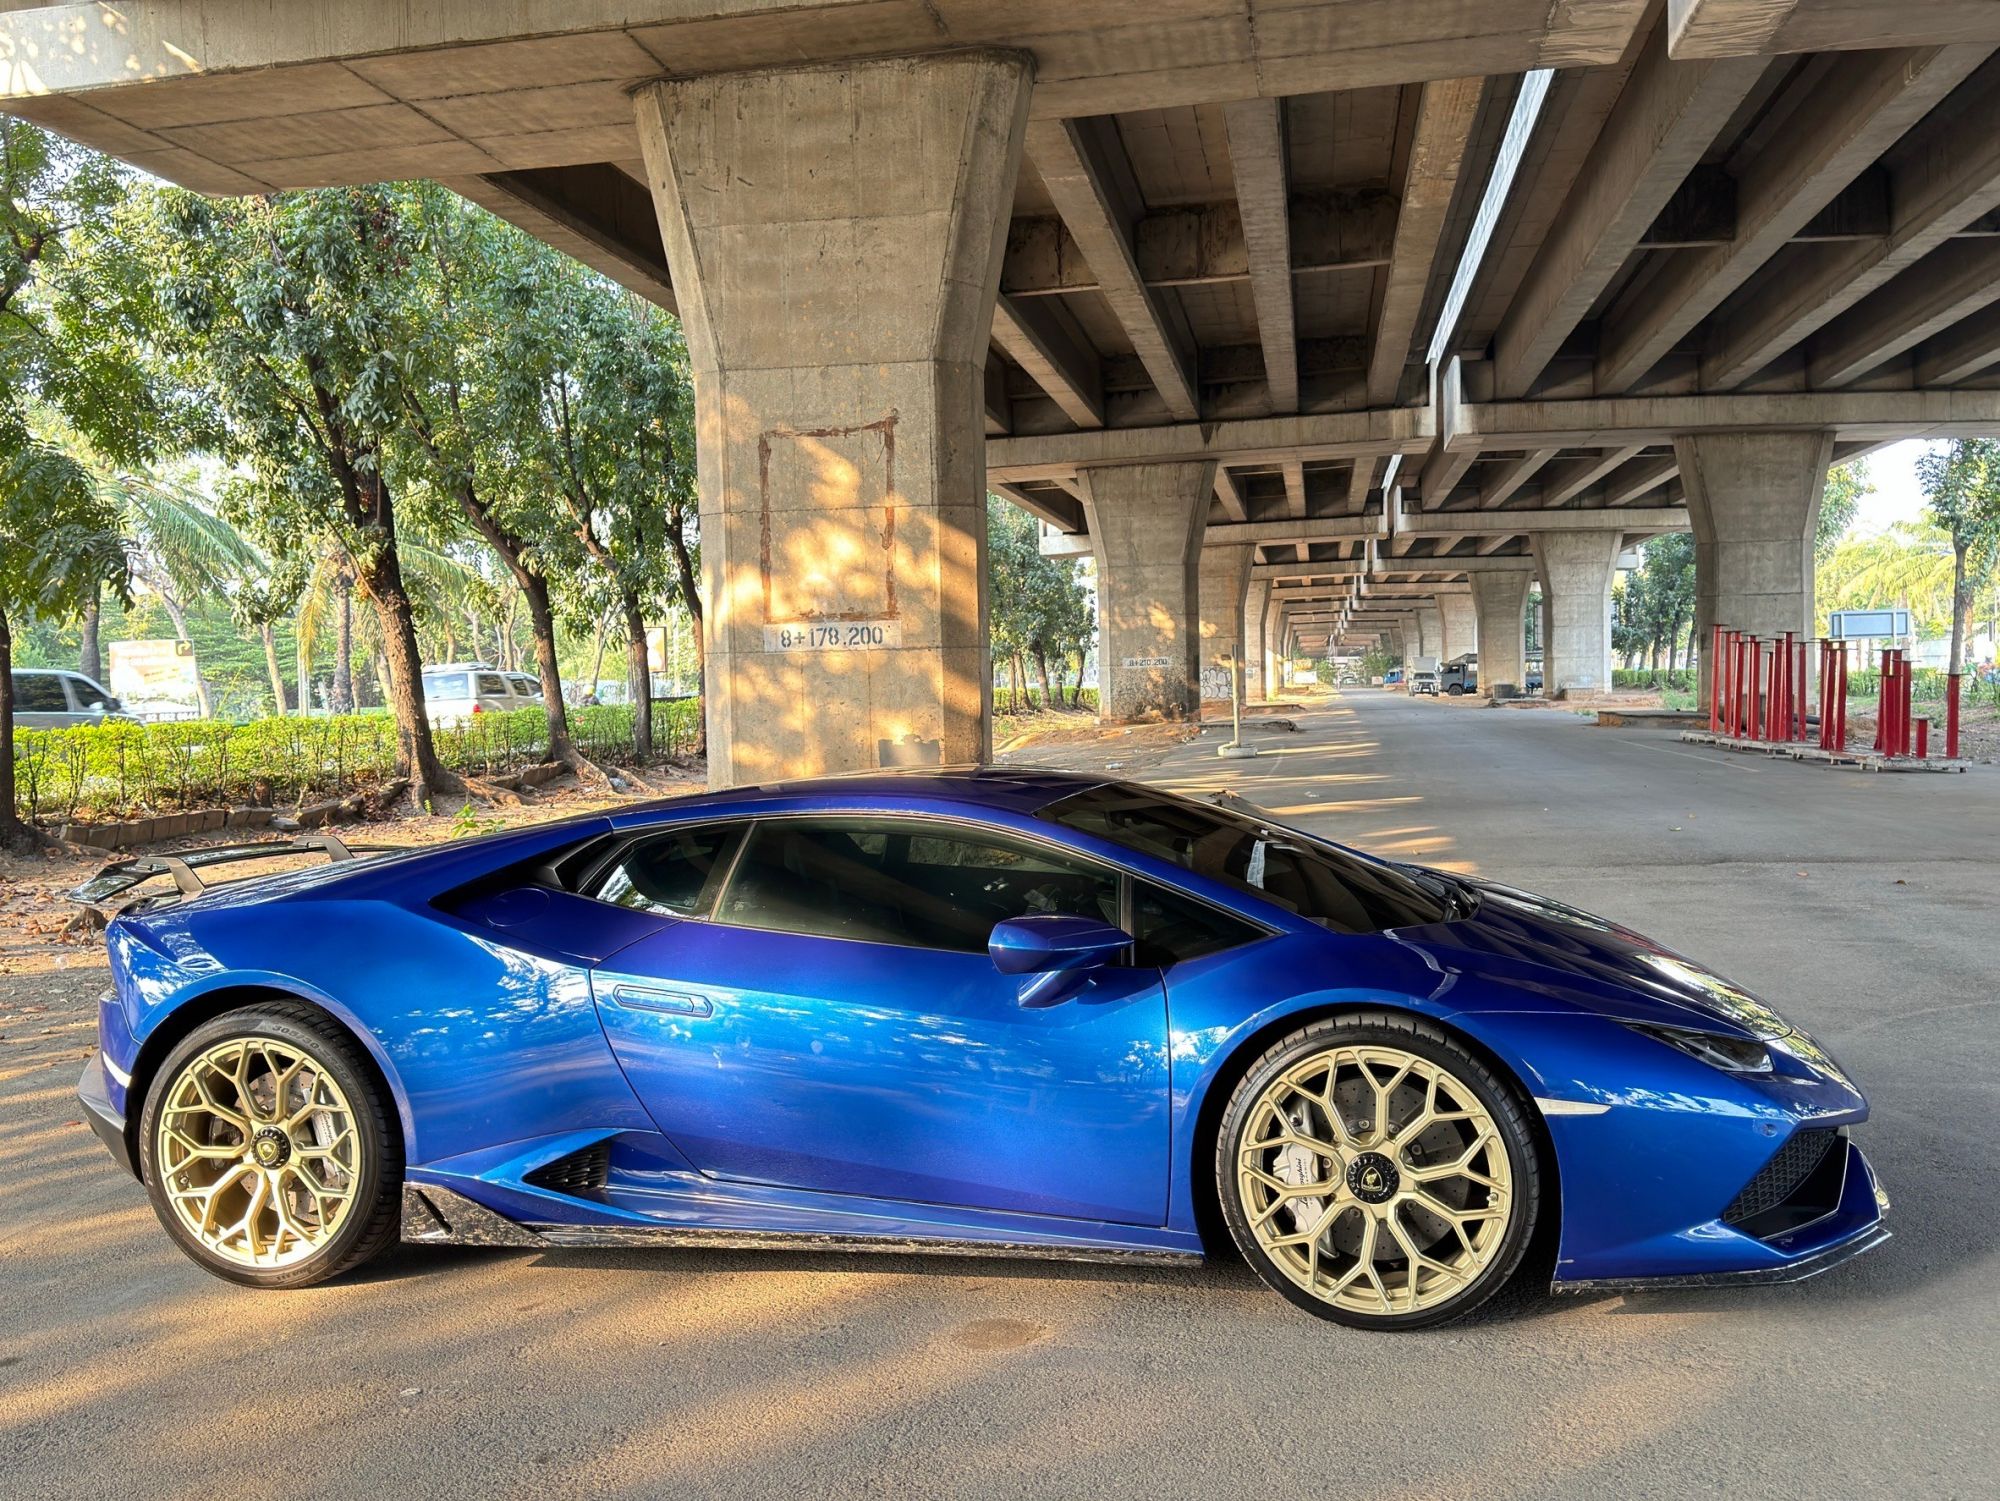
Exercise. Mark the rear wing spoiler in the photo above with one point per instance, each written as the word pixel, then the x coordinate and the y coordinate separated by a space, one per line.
pixel 116 887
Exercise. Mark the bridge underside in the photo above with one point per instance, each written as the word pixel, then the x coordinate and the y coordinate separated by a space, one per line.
pixel 1315 322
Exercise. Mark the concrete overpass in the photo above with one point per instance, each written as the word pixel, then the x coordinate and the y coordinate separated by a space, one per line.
pixel 1233 292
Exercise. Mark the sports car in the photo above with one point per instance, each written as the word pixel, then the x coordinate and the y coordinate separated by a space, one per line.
pixel 984 1012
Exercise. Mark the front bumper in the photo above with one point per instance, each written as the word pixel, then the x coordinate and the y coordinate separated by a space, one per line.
pixel 93 1092
pixel 1854 1225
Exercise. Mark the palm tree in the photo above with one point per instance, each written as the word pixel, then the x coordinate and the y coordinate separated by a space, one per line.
pixel 59 547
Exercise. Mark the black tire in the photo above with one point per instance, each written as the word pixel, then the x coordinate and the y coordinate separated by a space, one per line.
pixel 1502 1100
pixel 372 1219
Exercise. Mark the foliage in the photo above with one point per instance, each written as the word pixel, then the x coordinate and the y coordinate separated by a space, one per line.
pixel 1961 481
pixel 1656 601
pixel 1378 661
pixel 1681 678
pixel 1908 566
pixel 1037 608
pixel 119 768
pixel 1846 485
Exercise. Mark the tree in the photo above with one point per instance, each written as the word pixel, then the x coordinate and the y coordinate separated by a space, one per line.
pixel 1961 481
pixel 603 405
pixel 1036 607
pixel 287 313
pixel 1846 484
pixel 66 364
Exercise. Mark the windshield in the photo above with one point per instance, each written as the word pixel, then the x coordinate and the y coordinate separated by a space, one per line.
pixel 1321 882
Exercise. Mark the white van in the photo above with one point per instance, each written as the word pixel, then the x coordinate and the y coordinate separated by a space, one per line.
pixel 455 691
pixel 48 699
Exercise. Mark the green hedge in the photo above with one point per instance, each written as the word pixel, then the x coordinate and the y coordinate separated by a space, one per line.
pixel 1652 677
pixel 111 769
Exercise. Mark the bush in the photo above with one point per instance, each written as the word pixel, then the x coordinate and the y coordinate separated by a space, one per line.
pixel 1682 678
pixel 110 769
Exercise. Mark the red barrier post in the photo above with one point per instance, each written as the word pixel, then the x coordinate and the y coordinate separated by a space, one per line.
pixel 1840 699
pixel 1715 680
pixel 1924 738
pixel 1798 692
pixel 1951 715
pixel 1756 727
pixel 1826 695
pixel 1774 707
pixel 1883 699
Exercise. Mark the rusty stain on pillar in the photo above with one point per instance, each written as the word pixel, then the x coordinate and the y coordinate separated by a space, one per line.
pixel 836 281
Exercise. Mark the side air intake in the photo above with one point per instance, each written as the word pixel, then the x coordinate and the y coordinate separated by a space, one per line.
pixel 577 1174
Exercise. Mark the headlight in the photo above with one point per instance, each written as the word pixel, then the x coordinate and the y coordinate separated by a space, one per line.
pixel 1733 1055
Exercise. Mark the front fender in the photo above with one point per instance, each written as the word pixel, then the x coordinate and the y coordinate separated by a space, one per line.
pixel 1210 1029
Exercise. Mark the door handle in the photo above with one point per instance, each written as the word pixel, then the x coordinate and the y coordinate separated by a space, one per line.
pixel 672 1002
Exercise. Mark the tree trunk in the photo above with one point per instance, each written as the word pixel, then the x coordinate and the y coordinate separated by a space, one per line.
pixel 380 575
pixel 691 597
pixel 13 833
pixel 1961 606
pixel 341 700
pixel 179 618
pixel 1049 699
pixel 597 654
pixel 270 641
pixel 1076 693
pixel 638 674
pixel 90 656
pixel 542 625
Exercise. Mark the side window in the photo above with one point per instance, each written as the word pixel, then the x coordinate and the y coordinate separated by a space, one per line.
pixel 1169 927
pixel 491 683
pixel 918 885
pixel 445 685
pixel 675 873
pixel 36 693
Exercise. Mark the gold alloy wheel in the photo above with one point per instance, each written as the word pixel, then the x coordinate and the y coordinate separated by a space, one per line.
pixel 258 1151
pixel 1375 1179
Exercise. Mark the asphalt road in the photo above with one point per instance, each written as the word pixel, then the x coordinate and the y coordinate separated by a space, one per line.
pixel 1864 905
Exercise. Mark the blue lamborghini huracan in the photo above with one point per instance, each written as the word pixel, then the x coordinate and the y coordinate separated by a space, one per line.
pixel 983 1012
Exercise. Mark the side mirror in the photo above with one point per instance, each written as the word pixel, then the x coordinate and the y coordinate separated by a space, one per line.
pixel 1053 944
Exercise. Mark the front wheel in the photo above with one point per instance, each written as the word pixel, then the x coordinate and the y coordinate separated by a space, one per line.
pixel 268 1149
pixel 1377 1173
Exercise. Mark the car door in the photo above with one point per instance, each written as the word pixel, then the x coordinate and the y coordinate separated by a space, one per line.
pixel 831 1021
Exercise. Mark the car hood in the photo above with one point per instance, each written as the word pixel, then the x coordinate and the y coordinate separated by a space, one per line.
pixel 1522 938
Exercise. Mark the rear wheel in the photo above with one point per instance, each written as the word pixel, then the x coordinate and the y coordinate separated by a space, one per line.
pixel 268 1151
pixel 1377 1173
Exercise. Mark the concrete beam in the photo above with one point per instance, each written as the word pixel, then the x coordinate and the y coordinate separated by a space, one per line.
pixel 1961 352
pixel 1951 283
pixel 1255 440
pixel 1057 509
pixel 1257 153
pixel 595 212
pixel 1212 244
pixel 1445 115
pixel 1946 181
pixel 1862 107
pixel 1229 496
pixel 1639 479
pixel 1511 475
pixel 1044 340
pixel 1724 28
pixel 1606 421
pixel 1666 117
pixel 1567 481
pixel 1083 165
pixel 1486 523
pixel 1321 529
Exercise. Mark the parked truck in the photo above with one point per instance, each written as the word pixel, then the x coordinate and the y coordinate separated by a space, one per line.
pixel 1424 676
pixel 1460 675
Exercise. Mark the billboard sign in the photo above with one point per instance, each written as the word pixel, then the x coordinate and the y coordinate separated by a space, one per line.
pixel 1857 625
pixel 153 672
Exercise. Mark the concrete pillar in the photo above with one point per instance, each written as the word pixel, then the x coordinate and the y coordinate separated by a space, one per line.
pixel 1146 522
pixel 1430 631
pixel 1501 599
pixel 1754 501
pixel 836 281
pixel 1272 643
pixel 1256 599
pixel 1576 582
pixel 1222 589
pixel 1461 625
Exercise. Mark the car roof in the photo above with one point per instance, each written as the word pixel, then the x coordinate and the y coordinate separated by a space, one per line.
pixel 1010 789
